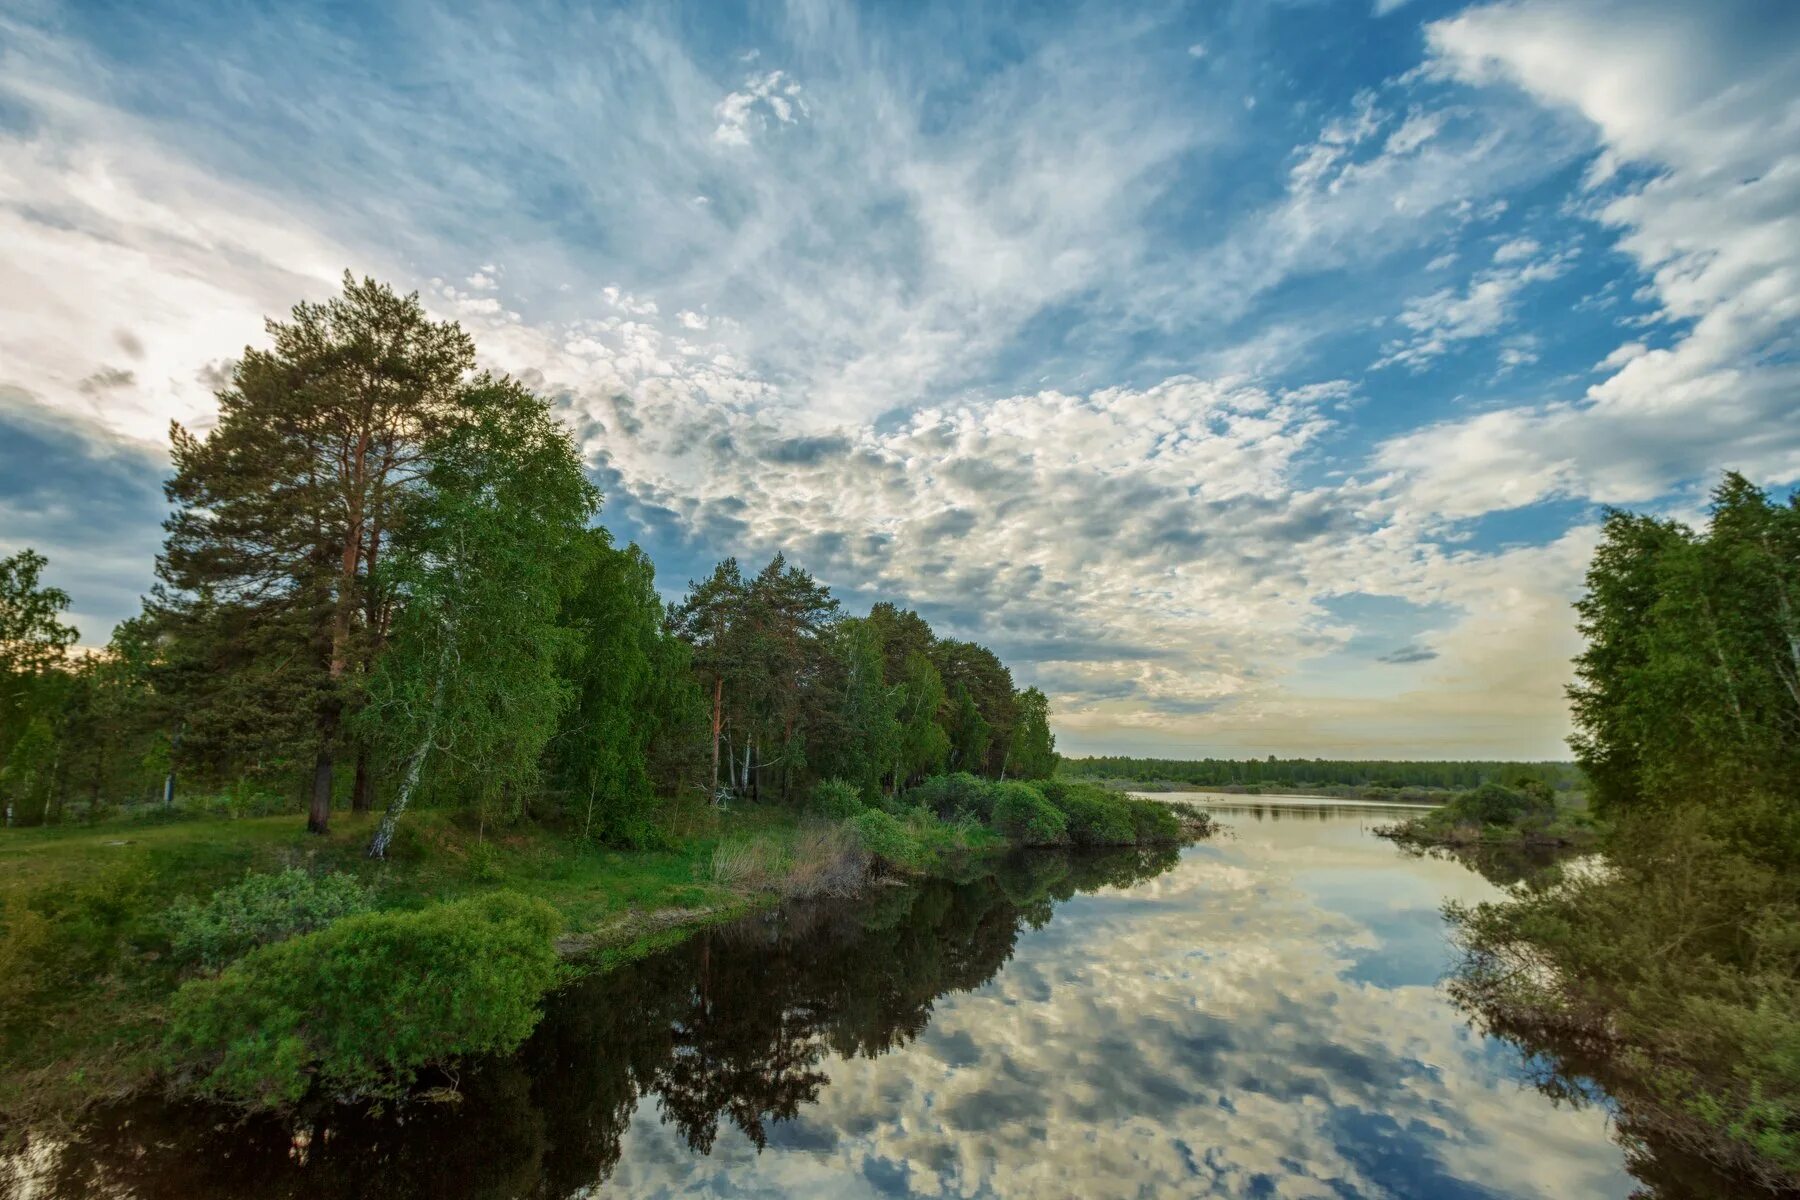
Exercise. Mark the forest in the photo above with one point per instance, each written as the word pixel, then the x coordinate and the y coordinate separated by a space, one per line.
pixel 1319 773
pixel 1672 977
pixel 384 584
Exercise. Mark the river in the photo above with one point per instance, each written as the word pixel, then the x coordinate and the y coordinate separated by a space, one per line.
pixel 1256 1015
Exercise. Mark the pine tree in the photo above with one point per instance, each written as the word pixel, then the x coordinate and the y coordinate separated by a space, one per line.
pixel 288 506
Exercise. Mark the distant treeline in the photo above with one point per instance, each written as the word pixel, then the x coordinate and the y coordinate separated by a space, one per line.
pixel 1321 772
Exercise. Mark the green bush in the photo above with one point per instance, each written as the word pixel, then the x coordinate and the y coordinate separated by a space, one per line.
pixel 1096 817
pixel 359 1007
pixel 1022 815
pixel 258 911
pixel 951 796
pixel 835 798
pixel 1493 804
pixel 1155 822
pixel 887 840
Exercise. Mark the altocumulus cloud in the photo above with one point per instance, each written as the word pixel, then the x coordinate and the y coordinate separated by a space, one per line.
pixel 1064 343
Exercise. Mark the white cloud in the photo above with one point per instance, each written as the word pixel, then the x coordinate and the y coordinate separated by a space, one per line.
pixel 770 94
pixel 1707 106
pixel 1447 316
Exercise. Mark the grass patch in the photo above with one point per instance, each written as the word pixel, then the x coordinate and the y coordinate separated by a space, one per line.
pixel 88 966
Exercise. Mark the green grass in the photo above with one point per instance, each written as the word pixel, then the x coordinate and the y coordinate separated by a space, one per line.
pixel 85 969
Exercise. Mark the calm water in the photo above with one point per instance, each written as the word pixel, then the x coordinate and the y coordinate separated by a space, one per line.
pixel 1255 1016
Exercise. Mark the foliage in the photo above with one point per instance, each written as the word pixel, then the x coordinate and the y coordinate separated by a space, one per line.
pixel 1494 804
pixel 1156 823
pixel 1095 816
pixel 52 940
pixel 469 692
pixel 887 840
pixel 257 911
pixel 1682 957
pixel 1690 681
pixel 636 726
pixel 361 1006
pixel 1023 815
pixel 954 795
pixel 33 645
pixel 835 798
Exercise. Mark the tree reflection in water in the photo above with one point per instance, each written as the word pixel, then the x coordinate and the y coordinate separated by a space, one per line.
pixel 1567 1062
pixel 735 1025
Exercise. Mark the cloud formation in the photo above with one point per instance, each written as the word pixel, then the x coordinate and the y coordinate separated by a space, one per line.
pixel 1048 334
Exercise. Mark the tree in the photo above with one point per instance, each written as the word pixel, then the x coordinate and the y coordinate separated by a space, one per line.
pixel 990 688
pixel 966 732
pixel 1033 751
pixel 757 647
pixel 471 687
pixel 637 708
pixel 709 621
pixel 1690 681
pixel 288 505
pixel 919 695
pixel 27 773
pixel 855 730
pixel 33 641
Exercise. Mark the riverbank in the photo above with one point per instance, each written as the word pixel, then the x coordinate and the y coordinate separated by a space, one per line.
pixel 1494 815
pixel 87 974
pixel 234 958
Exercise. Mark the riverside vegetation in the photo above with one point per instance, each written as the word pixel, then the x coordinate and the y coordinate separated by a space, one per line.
pixel 1668 971
pixel 384 605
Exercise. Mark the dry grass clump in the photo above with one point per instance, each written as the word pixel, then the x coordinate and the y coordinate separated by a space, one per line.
pixel 824 858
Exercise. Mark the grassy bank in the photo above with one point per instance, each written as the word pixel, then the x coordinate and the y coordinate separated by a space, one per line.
pixel 244 959
pixel 87 969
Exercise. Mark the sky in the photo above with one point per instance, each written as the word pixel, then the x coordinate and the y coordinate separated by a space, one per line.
pixel 1250 376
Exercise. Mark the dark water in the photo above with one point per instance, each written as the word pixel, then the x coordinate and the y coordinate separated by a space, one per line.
pixel 1254 1016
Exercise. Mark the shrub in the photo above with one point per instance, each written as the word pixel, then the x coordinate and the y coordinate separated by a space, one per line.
pixel 359 1007
pixel 837 798
pixel 883 837
pixel 1493 804
pixel 258 911
pixel 1155 822
pixel 950 796
pixel 1022 815
pixel 1096 817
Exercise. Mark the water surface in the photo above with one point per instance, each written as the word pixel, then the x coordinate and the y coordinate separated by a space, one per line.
pixel 1253 1016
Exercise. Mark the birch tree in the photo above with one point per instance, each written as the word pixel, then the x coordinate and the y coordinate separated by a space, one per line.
pixel 472 685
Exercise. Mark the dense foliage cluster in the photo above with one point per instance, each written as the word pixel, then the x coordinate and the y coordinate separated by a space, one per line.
pixel 257 911
pixel 360 1006
pixel 383 585
pixel 1682 959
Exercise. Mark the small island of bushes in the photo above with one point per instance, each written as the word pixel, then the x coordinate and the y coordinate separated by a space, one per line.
pixel 1529 814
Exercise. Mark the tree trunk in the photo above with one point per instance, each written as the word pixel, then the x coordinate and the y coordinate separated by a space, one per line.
pixel 318 815
pixel 409 783
pixel 390 820
pixel 362 794
pixel 718 709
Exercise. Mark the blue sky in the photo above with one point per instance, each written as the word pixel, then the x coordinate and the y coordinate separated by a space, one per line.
pixel 1249 375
